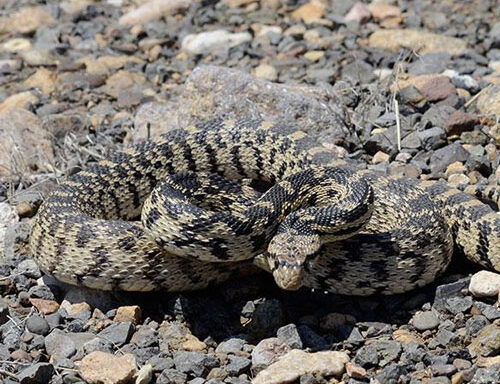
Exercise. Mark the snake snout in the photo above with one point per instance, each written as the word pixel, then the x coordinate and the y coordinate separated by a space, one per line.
pixel 287 255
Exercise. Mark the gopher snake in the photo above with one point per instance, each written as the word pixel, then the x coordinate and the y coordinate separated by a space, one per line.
pixel 85 232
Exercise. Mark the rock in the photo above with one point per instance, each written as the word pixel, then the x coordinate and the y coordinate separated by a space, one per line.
pixel 488 101
pixel 475 324
pixel 105 368
pixel 314 55
pixel 232 346
pixel 44 79
pixel 17 101
pixel 193 344
pixel 123 81
pixel 59 344
pixel 4 312
pixel 262 317
pixel 172 376
pixel 311 12
pixel 378 353
pixel 290 336
pixel 380 157
pixel 154 10
pixel 491 312
pixel 432 87
pixel 131 313
pixel 26 20
pixel 212 41
pixel 45 307
pixel 487 375
pixel 237 365
pixel 487 342
pixel 81 311
pixel 145 374
pixel 196 363
pixel 458 304
pixel 267 352
pixel 106 65
pixel 488 361
pixel 445 156
pixel 297 363
pixel 214 91
pixel 98 344
pixel 485 284
pixel 381 11
pixel 38 325
pixel 27 147
pixel 417 40
pixel 39 373
pixel 355 371
pixel 404 337
pixel 459 122
pixel 423 321
pixel 359 12
pixel 267 72
pixel 237 3
pixel 118 333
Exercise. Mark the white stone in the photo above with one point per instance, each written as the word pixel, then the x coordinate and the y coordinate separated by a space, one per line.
pixel 154 10
pixel 207 42
pixel 297 363
pixel 484 284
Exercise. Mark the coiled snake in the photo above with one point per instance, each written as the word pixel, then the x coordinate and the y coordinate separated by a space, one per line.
pixel 207 216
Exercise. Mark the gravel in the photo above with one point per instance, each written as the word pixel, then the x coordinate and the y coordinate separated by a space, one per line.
pixel 79 80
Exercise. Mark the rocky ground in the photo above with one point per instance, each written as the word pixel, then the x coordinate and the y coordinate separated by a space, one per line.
pixel 405 87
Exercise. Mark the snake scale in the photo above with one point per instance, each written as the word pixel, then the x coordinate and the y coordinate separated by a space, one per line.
pixel 222 197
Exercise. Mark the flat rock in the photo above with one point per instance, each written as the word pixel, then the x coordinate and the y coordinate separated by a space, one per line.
pixel 297 363
pixel 26 147
pixel 105 368
pixel 417 40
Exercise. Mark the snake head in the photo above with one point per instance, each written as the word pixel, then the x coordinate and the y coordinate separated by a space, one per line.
pixel 287 254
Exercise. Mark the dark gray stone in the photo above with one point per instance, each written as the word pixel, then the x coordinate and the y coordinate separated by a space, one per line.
pixel 39 373
pixel 445 337
pixel 265 316
pixel 489 311
pixel 443 369
pixel 474 325
pixel 194 362
pixel 445 156
pixel 289 335
pixel 237 365
pixel 432 138
pixel 98 344
pixel 379 353
pixel 458 304
pixel 391 374
pixel 38 325
pixel 444 292
pixel 172 376
pixel 118 333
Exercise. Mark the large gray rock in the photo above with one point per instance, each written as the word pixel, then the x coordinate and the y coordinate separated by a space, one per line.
pixel 212 91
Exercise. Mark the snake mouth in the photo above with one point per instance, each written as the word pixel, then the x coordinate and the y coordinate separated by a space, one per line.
pixel 288 276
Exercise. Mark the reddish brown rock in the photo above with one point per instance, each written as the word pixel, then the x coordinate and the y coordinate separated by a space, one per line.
pixel 459 122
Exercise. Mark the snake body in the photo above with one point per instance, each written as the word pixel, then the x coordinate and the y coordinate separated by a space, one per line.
pixel 320 226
